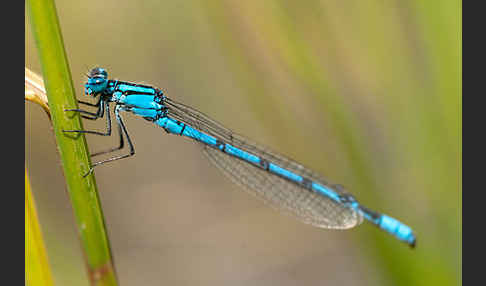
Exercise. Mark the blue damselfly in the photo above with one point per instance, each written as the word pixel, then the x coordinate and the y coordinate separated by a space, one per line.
pixel 277 180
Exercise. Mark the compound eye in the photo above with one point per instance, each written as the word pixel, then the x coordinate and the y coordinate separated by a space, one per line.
pixel 98 72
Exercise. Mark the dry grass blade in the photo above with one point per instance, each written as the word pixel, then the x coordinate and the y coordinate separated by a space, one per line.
pixel 35 90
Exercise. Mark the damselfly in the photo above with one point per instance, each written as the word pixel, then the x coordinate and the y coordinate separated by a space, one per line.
pixel 279 181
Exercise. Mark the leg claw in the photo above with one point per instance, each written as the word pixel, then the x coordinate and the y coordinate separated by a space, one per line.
pixel 89 172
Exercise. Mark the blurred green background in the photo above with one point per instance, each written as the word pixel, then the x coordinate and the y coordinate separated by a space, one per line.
pixel 368 93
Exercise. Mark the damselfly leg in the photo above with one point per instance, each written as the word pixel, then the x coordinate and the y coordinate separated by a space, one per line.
pixel 119 147
pixel 99 114
pixel 122 129
pixel 94 116
pixel 102 107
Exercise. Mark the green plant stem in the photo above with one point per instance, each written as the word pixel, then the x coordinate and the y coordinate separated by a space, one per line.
pixel 73 150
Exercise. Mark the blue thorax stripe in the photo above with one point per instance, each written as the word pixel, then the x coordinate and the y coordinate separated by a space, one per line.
pixel 128 87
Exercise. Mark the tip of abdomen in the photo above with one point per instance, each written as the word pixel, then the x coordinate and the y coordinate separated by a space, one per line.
pixel 398 229
pixel 413 243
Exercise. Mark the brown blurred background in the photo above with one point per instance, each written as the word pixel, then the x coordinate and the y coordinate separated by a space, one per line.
pixel 368 93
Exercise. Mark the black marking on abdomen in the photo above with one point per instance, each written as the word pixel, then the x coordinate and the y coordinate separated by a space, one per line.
pixel 264 164
pixel 374 215
pixel 306 183
pixel 345 198
pixel 220 143
pixel 183 127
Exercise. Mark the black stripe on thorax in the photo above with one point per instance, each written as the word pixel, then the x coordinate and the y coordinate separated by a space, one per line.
pixel 128 92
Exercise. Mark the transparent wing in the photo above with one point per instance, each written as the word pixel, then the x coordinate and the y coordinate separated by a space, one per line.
pixel 211 127
pixel 287 196
pixel 307 206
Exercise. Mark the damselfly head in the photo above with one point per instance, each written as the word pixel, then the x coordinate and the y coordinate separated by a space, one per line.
pixel 97 82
